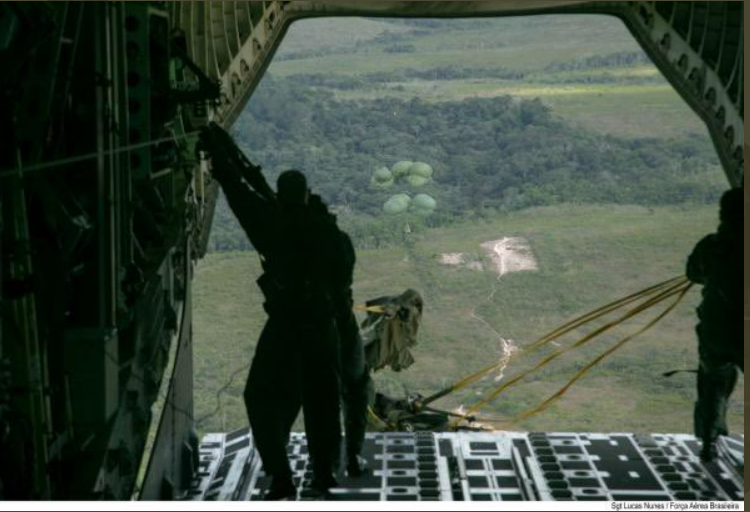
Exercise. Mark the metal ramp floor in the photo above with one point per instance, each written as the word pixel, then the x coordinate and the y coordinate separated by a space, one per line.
pixel 426 466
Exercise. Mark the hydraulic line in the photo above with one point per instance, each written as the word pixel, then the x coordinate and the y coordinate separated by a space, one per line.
pixel 20 171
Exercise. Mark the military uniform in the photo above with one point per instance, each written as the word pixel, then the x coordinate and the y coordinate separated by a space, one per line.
pixel 716 263
pixel 355 378
pixel 297 357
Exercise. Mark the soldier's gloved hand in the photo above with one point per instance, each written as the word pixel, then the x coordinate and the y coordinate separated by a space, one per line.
pixel 226 145
pixel 228 158
pixel 213 140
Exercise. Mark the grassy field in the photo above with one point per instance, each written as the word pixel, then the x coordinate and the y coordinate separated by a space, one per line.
pixel 587 256
pixel 529 45
pixel 526 44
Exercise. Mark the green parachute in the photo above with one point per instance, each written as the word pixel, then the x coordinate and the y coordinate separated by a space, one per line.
pixel 401 169
pixel 397 204
pixel 422 204
pixel 420 174
pixel 421 169
pixel 417 181
pixel 382 178
pixel 416 174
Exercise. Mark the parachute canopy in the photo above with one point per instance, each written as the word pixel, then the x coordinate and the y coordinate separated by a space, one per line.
pixel 382 178
pixel 421 169
pixel 382 174
pixel 406 172
pixel 397 204
pixel 423 204
pixel 417 181
pixel 402 168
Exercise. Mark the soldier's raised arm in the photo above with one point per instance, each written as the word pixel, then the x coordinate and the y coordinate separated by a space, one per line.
pixel 255 212
pixel 220 140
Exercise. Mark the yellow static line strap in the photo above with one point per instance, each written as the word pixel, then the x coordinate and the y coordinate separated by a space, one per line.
pixel 380 310
pixel 599 312
pixel 561 331
pixel 377 419
pixel 559 394
pixel 630 314
pixel 507 424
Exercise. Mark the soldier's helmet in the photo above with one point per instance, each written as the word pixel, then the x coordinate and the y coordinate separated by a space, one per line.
pixel 733 205
pixel 292 189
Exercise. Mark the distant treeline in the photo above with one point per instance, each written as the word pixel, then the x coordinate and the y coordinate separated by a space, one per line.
pixel 400 48
pixel 599 78
pixel 447 24
pixel 441 73
pixel 601 61
pixel 366 80
pixel 550 75
pixel 390 42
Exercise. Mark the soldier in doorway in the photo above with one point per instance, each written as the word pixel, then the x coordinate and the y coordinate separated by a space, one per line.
pixel 297 359
pixel 716 263
pixel 308 271
pixel 355 377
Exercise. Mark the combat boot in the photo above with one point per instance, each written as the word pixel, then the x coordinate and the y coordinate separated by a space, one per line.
pixel 282 489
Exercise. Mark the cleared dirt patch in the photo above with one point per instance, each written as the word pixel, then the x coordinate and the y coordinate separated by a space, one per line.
pixel 461 259
pixel 452 258
pixel 511 254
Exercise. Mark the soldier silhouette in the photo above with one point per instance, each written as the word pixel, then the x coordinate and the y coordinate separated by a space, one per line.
pixel 716 263
pixel 297 359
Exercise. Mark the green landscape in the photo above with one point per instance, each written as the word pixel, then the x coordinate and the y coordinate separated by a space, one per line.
pixel 556 131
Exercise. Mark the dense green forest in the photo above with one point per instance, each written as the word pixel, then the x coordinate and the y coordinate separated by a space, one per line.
pixel 488 154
